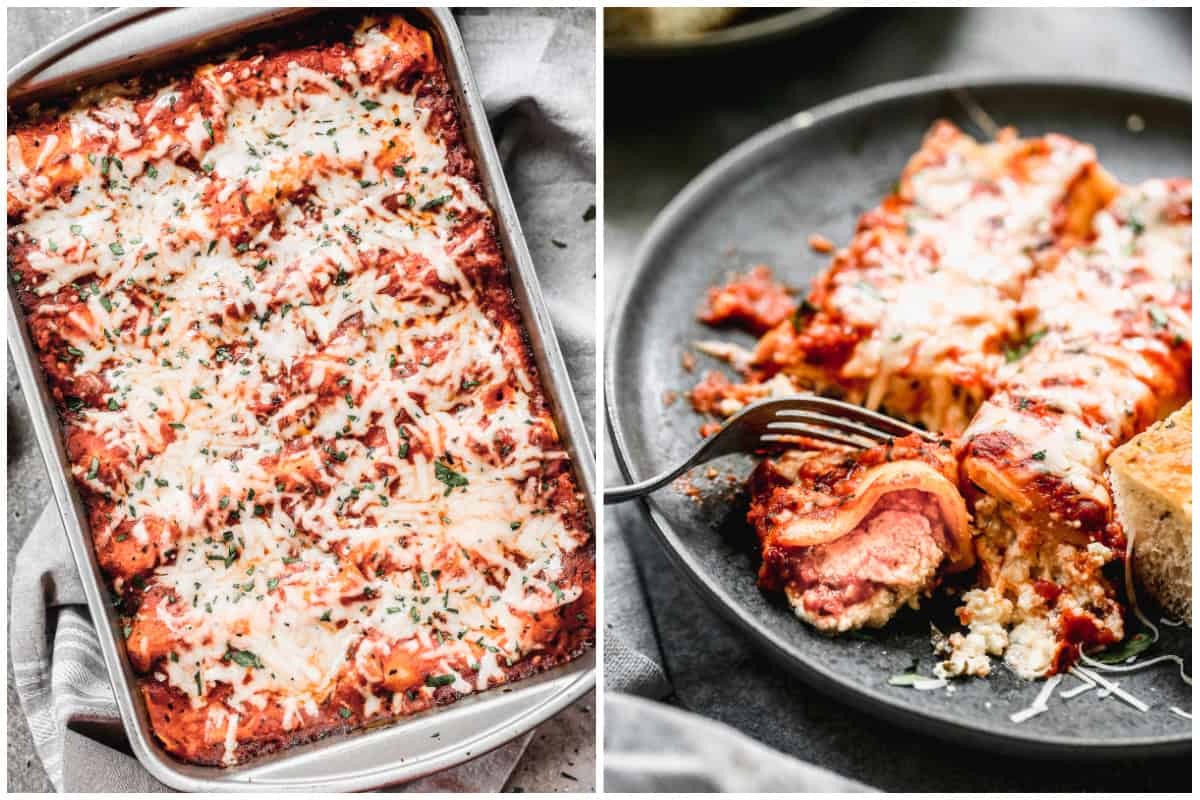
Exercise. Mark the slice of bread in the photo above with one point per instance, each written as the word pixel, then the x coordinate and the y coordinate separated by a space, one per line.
pixel 1151 478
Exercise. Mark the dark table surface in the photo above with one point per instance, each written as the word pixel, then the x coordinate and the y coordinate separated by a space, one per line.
pixel 561 755
pixel 664 123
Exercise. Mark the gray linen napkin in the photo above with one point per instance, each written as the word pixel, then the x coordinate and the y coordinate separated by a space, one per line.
pixel 656 747
pixel 632 660
pixel 652 747
pixel 535 72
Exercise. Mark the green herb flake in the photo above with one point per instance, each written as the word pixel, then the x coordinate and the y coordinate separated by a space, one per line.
pixel 244 658
pixel 1132 646
pixel 436 203
pixel 449 477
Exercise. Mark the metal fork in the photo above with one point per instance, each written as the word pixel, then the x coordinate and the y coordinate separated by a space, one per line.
pixel 774 421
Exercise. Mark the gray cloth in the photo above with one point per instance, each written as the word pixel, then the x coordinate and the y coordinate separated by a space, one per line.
pixel 535 72
pixel 632 660
pixel 651 747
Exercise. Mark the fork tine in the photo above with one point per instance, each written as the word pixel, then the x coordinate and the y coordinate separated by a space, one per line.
pixel 811 433
pixel 837 408
pixel 796 428
pixel 826 421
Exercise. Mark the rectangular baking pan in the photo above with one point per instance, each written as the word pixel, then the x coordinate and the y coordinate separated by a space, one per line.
pixel 129 41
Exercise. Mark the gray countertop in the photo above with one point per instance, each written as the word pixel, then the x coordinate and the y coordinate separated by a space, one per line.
pixel 664 123
pixel 562 753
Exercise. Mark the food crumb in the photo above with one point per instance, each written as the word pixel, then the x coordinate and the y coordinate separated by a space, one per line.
pixel 1135 123
pixel 711 474
pixel 689 361
pixel 685 487
pixel 669 397
pixel 820 244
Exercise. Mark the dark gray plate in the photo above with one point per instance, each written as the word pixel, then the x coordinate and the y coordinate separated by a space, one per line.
pixel 815 172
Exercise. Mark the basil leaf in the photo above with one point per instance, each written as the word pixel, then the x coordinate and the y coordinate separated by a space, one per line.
pixel 1132 646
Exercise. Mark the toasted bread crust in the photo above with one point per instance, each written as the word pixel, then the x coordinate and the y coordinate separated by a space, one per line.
pixel 1159 461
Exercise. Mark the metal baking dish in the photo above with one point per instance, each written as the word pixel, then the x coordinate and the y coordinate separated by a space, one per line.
pixel 131 40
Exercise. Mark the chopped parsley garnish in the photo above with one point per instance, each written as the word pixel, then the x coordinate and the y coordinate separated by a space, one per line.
pixel 439 680
pixel 1012 354
pixel 803 312
pixel 244 658
pixel 93 469
pixel 449 477
pixel 436 203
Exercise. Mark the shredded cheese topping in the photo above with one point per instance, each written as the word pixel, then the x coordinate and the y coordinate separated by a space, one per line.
pixel 310 408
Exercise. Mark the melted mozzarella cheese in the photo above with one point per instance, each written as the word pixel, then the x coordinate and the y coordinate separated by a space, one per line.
pixel 219 336
pixel 1090 368
pixel 939 301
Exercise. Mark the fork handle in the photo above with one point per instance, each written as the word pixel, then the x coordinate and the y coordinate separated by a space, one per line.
pixel 621 494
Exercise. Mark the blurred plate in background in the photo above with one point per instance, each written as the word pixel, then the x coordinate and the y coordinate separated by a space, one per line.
pixel 752 26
